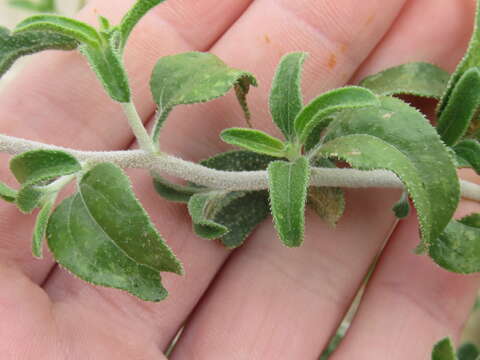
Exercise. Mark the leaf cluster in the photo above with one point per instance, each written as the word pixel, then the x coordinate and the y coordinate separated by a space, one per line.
pixel 102 234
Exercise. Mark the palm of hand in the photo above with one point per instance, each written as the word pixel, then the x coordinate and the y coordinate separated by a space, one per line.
pixel 263 301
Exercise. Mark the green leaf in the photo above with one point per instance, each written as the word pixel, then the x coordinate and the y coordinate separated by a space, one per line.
pixel 107 64
pixel 107 195
pixel 241 215
pixel 33 167
pixel 469 153
pixel 40 228
pixel 79 244
pixel 461 108
pixel 286 93
pixel 288 185
pixel 173 192
pixel 444 350
pixel 419 79
pixel 317 112
pixel 6 193
pixel 204 207
pixel 15 46
pixel 470 60
pixel 191 78
pixel 468 351
pixel 254 140
pixel 61 25
pixel 398 138
pixel 238 160
pixel 29 198
pixel 133 16
pixel 402 207
pixel 458 248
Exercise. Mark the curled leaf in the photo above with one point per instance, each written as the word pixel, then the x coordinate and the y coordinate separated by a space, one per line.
pixel 397 137
pixel 191 78
pixel 444 350
pixel 468 152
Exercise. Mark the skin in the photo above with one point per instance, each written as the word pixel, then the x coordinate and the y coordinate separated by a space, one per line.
pixel 263 301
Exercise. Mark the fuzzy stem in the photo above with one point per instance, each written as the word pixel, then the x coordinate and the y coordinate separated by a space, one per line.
pixel 222 180
pixel 138 129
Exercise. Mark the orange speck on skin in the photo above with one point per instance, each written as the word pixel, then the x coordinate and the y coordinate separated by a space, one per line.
pixel 370 19
pixel 267 39
pixel 332 61
pixel 343 48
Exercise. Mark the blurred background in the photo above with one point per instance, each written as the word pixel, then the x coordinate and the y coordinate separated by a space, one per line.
pixel 12 11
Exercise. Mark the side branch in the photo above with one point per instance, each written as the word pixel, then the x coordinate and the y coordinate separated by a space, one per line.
pixel 226 180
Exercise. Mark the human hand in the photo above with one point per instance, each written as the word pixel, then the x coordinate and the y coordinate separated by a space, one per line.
pixel 263 301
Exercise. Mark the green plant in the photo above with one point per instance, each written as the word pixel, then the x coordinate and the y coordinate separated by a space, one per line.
pixel 377 134
pixel 227 197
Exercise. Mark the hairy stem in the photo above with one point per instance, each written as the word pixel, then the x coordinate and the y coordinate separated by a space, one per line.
pixel 138 129
pixel 222 180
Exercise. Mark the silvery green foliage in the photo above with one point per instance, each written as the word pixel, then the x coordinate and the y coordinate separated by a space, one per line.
pixel 102 234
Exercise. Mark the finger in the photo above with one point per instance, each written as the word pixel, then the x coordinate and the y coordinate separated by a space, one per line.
pixel 410 303
pixel 190 135
pixel 59 100
pixel 263 303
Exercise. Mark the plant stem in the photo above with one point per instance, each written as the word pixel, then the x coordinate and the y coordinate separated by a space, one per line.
pixel 138 129
pixel 222 180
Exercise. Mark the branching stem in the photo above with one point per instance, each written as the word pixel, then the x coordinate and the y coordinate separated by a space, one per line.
pixel 137 127
pixel 222 180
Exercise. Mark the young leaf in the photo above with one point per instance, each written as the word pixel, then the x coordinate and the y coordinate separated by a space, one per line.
pixel 398 138
pixel 40 228
pixel 28 199
pixel 468 151
pixel 288 185
pixel 317 112
pixel 191 78
pixel 470 60
pixel 107 195
pixel 286 93
pixel 444 350
pixel 173 192
pixel 33 167
pixel 15 46
pixel 79 244
pixel 463 102
pixel 203 208
pixel 107 64
pixel 328 203
pixel 458 248
pixel 419 79
pixel 254 140
pixel 78 30
pixel 133 16
pixel 7 193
